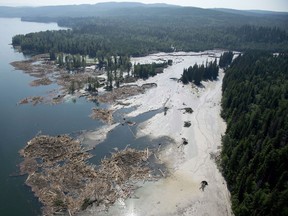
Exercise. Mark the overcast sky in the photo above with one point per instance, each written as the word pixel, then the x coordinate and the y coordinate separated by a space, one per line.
pixel 274 5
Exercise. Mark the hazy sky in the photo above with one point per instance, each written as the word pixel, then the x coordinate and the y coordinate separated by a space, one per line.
pixel 275 5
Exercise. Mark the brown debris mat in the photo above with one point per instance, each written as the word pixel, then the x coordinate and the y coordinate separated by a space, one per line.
pixel 102 114
pixel 40 66
pixel 42 81
pixel 123 92
pixel 63 181
pixel 120 93
pixel 33 100
pixel 37 66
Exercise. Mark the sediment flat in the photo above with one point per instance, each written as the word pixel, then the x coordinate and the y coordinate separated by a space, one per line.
pixel 189 164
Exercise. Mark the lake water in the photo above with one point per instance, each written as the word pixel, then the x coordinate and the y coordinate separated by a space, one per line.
pixel 19 124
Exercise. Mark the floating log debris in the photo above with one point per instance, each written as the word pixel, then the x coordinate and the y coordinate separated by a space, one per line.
pixel 63 181
pixel 130 123
pixel 102 114
pixel 37 66
pixel 42 81
pixel 74 82
pixel 33 100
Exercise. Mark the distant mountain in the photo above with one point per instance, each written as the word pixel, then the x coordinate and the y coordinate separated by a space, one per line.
pixel 251 12
pixel 100 9
pixel 199 16
pixel 111 8
pixel 115 5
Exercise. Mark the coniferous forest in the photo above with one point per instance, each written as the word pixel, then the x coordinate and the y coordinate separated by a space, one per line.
pixel 138 31
pixel 197 73
pixel 255 147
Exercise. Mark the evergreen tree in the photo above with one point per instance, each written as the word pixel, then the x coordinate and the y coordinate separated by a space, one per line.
pixel 198 73
pixel 226 59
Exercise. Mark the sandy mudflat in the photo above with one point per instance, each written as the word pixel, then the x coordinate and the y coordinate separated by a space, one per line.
pixel 179 193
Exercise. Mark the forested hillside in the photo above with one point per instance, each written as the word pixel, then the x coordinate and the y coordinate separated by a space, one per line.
pixel 255 148
pixel 140 30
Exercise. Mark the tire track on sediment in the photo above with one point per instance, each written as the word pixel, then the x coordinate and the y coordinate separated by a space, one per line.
pixel 221 189
pixel 208 146
pixel 203 127
pixel 209 127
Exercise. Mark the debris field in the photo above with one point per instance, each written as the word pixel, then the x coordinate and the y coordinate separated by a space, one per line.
pixel 64 182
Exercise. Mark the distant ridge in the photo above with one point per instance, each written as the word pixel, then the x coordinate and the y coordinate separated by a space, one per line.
pixel 250 12
pixel 111 8
pixel 131 5
pixel 75 10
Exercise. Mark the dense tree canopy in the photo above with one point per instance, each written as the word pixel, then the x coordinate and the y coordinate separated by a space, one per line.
pixel 197 73
pixel 140 34
pixel 144 71
pixel 225 59
pixel 255 147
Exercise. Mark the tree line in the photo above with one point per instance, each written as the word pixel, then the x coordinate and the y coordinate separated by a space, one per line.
pixel 141 35
pixel 197 73
pixel 70 62
pixel 255 146
pixel 144 71
pixel 226 59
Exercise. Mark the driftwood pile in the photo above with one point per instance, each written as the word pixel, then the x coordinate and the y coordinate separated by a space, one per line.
pixel 102 114
pixel 78 79
pixel 63 181
pixel 33 100
pixel 123 92
pixel 120 93
pixel 41 81
pixel 41 67
pixel 38 66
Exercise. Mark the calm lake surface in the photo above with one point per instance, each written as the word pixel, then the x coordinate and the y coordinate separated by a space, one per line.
pixel 19 124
